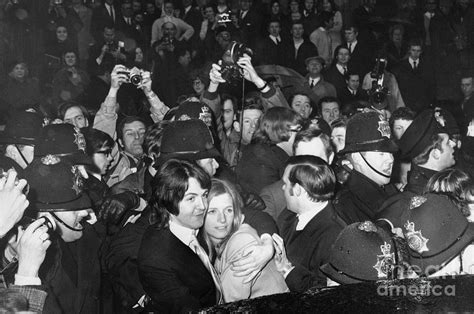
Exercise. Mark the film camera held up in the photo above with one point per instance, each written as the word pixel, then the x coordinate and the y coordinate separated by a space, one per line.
pixel 231 71
pixel 134 76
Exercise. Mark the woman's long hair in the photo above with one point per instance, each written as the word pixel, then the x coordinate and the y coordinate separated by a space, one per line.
pixel 221 187
pixel 454 183
pixel 275 125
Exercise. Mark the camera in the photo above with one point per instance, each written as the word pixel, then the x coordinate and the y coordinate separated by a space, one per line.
pixel 49 222
pixel 230 70
pixel 134 76
pixel 223 17
pixel 378 93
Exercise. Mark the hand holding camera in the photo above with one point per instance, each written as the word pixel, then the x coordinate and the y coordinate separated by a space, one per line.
pixel 12 200
pixel 249 73
pixel 118 76
pixel 31 248
pixel 145 83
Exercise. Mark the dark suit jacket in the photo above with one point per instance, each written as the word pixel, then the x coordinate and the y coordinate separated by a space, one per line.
pixel 306 50
pixel 172 274
pixel 361 59
pixel 251 26
pixel 346 97
pixel 333 76
pixel 269 53
pixel 101 17
pixel 416 86
pixel 194 18
pixel 309 248
pixel 73 287
pixel 130 31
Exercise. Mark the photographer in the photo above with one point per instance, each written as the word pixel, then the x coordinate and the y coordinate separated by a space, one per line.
pixel 270 97
pixel 384 80
pixel 109 46
pixel 106 120
pixel 29 244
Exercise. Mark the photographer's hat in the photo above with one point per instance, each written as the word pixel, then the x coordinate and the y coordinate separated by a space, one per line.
pixel 417 136
pixel 55 185
pixel 22 128
pixel 436 231
pixel 367 131
pixel 189 139
pixel 361 252
pixel 65 141
pixel 317 58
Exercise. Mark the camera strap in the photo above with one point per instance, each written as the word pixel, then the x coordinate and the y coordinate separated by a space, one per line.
pixel 21 155
pixel 65 224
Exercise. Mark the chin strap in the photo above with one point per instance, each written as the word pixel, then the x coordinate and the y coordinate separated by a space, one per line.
pixel 65 224
pixel 375 170
pixel 21 155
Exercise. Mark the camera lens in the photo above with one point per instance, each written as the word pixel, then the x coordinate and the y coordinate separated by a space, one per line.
pixel 136 79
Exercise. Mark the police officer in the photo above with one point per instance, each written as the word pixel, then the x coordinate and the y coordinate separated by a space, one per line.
pixel 369 149
pixel 71 271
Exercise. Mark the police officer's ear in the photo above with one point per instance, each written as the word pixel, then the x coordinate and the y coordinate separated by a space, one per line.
pixel 356 160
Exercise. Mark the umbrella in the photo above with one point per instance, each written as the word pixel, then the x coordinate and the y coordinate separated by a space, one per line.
pixel 288 79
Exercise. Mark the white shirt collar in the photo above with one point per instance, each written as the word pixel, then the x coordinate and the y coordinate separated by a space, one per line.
pixel 275 38
pixel 306 217
pixel 184 234
pixel 340 68
pixel 314 80
pixel 429 15
pixel 411 61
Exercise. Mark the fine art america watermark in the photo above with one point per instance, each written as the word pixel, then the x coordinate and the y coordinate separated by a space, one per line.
pixel 422 287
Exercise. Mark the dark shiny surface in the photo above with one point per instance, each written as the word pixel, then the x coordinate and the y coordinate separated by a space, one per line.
pixel 437 294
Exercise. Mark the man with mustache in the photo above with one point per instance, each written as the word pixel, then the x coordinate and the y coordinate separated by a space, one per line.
pixel 369 149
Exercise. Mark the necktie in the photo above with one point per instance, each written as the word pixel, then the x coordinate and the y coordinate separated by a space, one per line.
pixel 194 244
pixel 312 83
pixel 415 65
pixel 111 12
pixel 350 47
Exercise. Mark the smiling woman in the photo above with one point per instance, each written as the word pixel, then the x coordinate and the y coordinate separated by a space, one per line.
pixel 227 238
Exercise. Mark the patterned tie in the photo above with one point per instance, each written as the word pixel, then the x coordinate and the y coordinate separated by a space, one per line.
pixel 194 244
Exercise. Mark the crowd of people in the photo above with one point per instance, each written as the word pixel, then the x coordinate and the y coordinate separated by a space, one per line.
pixel 169 156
